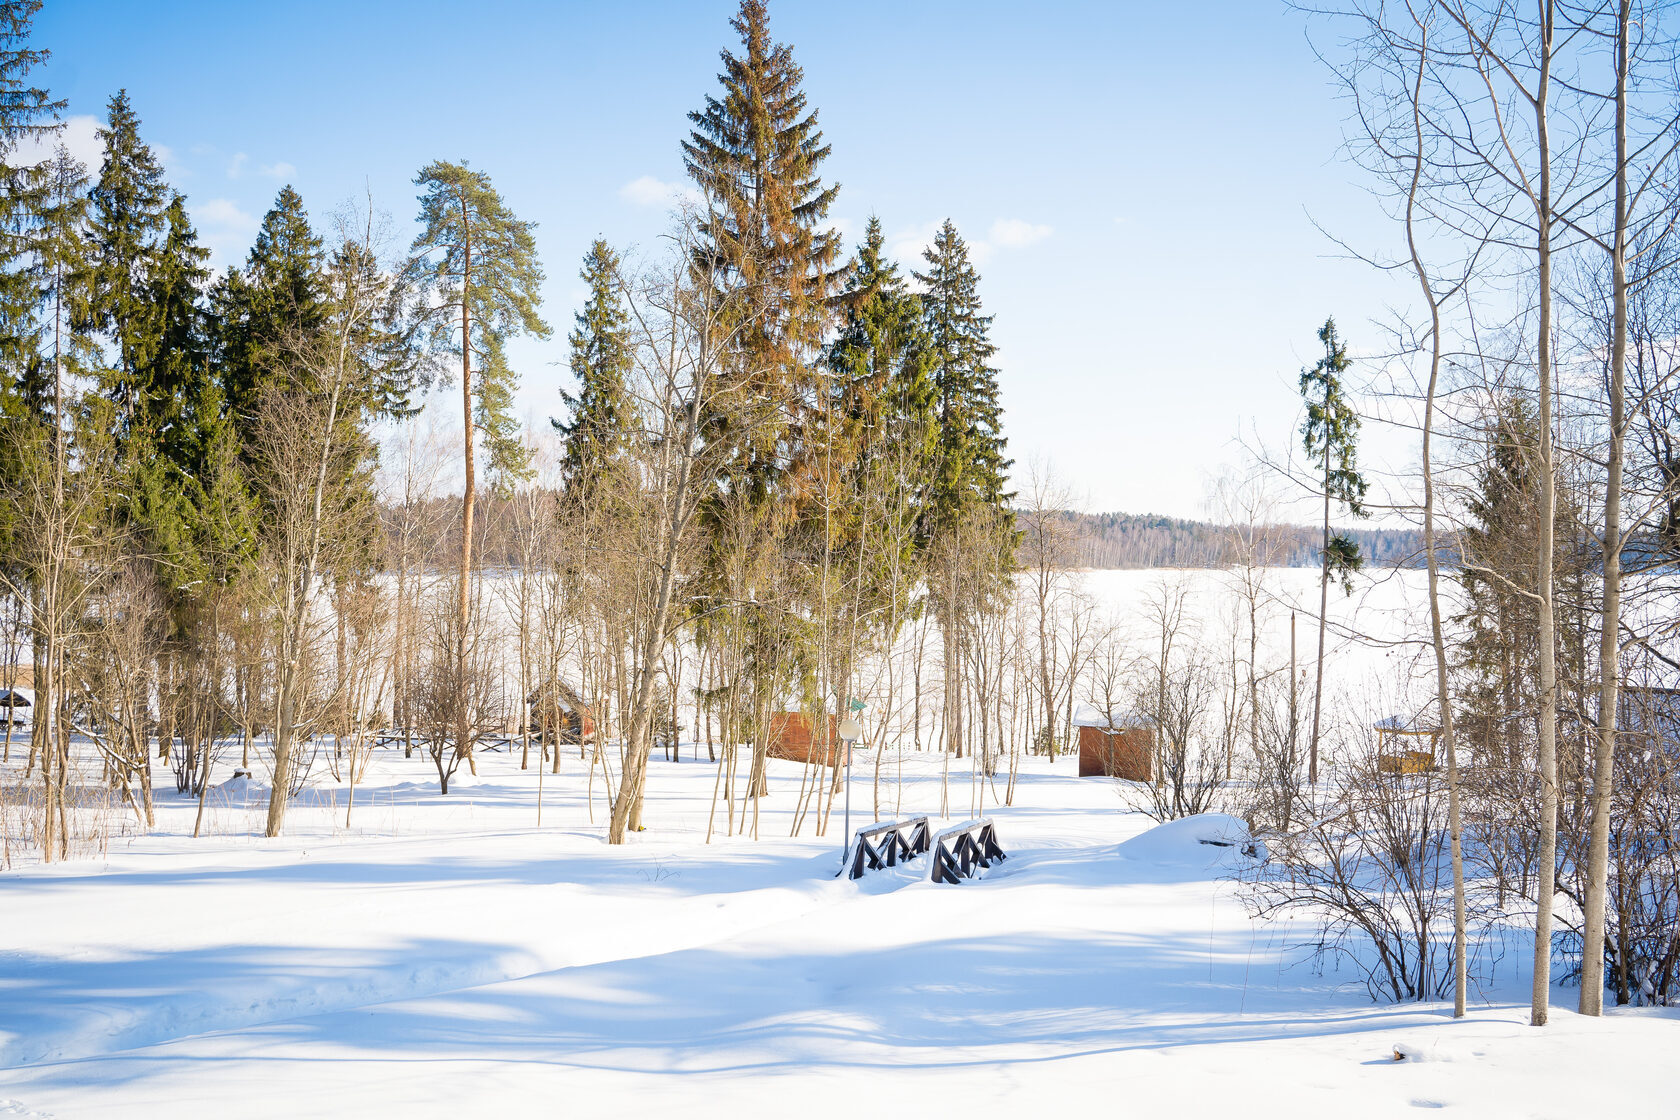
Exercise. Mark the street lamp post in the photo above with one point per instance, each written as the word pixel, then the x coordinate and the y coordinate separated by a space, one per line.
pixel 850 733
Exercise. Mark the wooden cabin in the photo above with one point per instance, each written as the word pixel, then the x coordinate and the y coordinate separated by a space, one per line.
pixel 791 738
pixel 1115 745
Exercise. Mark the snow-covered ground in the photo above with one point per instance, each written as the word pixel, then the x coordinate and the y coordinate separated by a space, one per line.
pixel 447 957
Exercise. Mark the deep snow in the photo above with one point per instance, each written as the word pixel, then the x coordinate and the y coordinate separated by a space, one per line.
pixel 445 956
pixel 448 958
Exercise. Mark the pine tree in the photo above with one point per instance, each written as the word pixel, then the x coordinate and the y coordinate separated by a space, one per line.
pixel 277 300
pixel 129 214
pixel 486 277
pixel 754 153
pixel 595 431
pixel 1329 435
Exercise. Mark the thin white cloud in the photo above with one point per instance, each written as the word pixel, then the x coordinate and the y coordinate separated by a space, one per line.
pixel 1016 233
pixel 648 191
pixel 906 247
pixel 172 167
pixel 225 229
pixel 236 165
pixel 1005 233
pixel 80 136
pixel 281 170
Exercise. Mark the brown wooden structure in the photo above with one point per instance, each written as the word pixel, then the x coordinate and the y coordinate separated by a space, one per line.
pixel 556 711
pixel 1117 752
pixel 791 738
pixel 1405 746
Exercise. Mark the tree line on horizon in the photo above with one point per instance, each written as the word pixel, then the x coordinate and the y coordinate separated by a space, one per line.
pixel 1148 540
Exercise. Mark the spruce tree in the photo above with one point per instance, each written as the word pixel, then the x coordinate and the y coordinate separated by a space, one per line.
pixel 764 246
pixel 882 428
pixel 167 439
pixel 277 300
pixel 970 464
pixel 63 275
pixel 755 153
pixel 1329 435
pixel 967 524
pixel 129 214
pixel 27 112
pixel 595 429
pixel 366 303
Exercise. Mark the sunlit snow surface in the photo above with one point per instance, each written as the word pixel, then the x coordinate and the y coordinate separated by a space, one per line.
pixel 445 957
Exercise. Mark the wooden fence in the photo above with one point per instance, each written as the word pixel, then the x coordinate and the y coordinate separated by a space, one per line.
pixel 961 851
pixel 883 845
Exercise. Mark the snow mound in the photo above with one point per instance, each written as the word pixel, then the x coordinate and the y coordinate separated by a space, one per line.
pixel 239 790
pixel 1212 841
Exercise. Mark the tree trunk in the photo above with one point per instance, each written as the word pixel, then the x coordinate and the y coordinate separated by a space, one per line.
pixel 1545 888
pixel 464 608
pixel 1323 621
pixel 1609 658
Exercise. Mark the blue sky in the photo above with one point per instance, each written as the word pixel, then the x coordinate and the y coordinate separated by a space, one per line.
pixel 1139 179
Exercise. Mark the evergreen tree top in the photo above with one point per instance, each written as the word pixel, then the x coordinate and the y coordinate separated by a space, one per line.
pixel 130 196
pixel 754 153
pixel 1330 431
pixel 971 458
pixel 22 106
pixel 288 255
pixel 597 428
pixel 468 226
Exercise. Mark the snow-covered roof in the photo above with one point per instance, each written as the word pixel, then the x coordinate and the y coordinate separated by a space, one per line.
pixel 1089 715
pixel 1405 725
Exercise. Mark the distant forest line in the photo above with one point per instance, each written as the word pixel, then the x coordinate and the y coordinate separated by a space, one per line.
pixel 1129 540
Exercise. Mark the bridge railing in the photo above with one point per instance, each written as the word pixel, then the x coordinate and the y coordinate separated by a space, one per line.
pixel 958 853
pixel 883 845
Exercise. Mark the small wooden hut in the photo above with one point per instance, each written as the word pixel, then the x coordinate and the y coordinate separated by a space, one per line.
pixel 556 712
pixel 792 738
pixel 1405 745
pixel 1115 745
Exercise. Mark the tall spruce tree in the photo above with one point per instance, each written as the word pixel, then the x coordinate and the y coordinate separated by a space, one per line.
pixel 277 300
pixel 1329 434
pixel 967 522
pixel 882 430
pixel 755 153
pixel 128 217
pixel 970 463
pixel 27 112
pixel 595 429
pixel 481 265
pixel 876 438
pixel 167 439
pixel 63 274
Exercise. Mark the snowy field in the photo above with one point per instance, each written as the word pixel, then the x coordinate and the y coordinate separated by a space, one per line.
pixel 448 957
